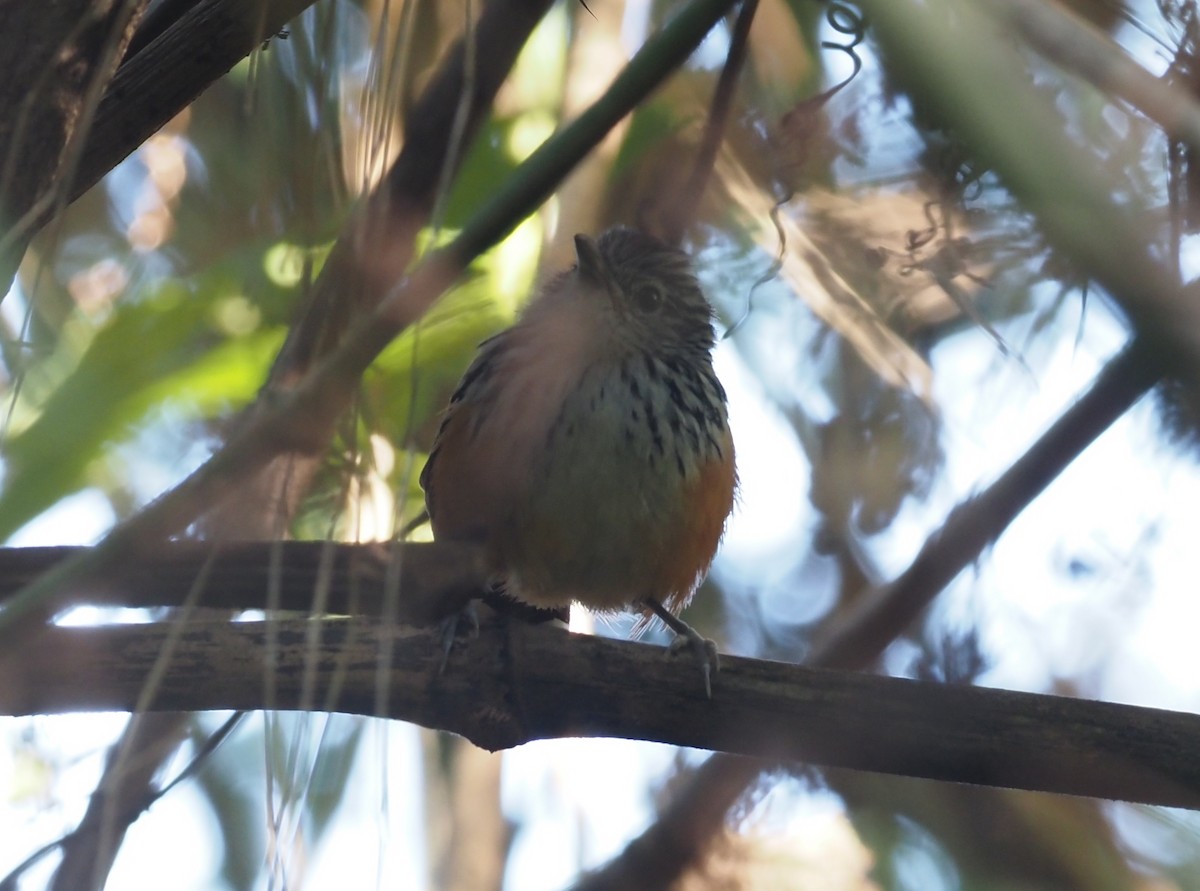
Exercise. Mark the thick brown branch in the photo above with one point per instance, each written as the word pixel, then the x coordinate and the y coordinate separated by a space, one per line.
pixel 514 683
pixel 58 58
pixel 378 243
pixel 163 78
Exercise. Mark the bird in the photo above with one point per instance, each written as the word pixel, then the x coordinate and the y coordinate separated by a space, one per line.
pixel 587 448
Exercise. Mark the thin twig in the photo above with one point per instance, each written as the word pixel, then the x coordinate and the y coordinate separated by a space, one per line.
pixel 218 736
pixel 683 209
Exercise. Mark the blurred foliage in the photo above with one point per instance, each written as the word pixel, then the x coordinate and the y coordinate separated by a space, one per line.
pixel 147 356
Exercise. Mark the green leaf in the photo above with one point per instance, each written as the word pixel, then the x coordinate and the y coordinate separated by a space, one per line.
pixel 151 352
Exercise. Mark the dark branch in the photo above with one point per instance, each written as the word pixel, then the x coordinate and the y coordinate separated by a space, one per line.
pixel 378 244
pixel 515 683
pixel 680 215
pixel 167 74
pixel 58 59
pixel 978 522
pixel 432 580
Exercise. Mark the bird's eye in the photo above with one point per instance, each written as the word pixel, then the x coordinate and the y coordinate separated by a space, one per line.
pixel 648 297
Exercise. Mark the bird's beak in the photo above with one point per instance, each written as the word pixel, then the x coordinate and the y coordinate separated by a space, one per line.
pixel 591 265
pixel 593 269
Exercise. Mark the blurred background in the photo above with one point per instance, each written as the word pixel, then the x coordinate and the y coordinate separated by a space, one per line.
pixel 895 331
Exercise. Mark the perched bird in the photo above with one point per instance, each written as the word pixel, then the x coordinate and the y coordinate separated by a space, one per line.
pixel 587 447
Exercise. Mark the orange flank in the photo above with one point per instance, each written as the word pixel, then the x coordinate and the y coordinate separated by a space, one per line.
pixel 707 501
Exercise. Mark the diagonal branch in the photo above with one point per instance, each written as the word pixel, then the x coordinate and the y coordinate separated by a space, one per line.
pixel 1069 41
pixel 149 89
pixel 978 522
pixel 378 244
pixel 57 63
pixel 375 249
pixel 680 214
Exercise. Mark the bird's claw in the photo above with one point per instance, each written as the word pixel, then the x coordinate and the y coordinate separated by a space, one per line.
pixel 705 652
pixel 449 629
pixel 687 636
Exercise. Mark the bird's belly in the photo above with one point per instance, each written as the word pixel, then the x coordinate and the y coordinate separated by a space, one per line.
pixel 609 518
pixel 593 531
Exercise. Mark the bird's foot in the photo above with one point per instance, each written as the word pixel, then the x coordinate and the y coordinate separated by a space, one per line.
pixel 688 638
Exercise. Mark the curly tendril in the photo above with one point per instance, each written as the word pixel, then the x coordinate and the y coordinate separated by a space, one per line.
pixel 851 23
